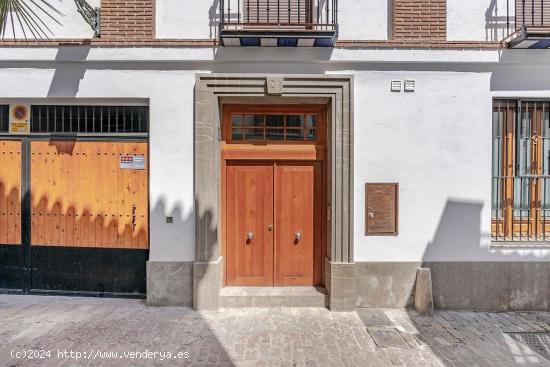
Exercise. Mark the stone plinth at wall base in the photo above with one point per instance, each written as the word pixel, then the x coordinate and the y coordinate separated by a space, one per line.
pixel 423 296
pixel 169 283
pixel 340 284
pixel 207 284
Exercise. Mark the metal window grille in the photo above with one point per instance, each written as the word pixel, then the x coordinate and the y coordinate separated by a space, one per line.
pixel 521 171
pixel 89 119
pixel 4 118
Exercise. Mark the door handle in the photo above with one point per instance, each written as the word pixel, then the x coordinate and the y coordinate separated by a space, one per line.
pixel 298 236
pixel 250 236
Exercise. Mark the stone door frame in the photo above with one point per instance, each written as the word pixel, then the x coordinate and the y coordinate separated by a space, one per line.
pixel 211 91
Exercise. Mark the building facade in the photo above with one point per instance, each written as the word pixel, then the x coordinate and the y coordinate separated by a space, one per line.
pixel 191 151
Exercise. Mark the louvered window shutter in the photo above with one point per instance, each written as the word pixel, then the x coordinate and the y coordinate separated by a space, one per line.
pixel 277 11
pixel 539 18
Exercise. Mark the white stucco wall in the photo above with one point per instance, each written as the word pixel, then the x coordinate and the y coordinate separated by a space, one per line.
pixel 436 142
pixel 478 20
pixel 70 23
pixel 363 20
pixel 189 19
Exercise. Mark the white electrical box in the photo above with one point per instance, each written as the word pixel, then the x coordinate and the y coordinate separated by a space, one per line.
pixel 396 85
pixel 409 85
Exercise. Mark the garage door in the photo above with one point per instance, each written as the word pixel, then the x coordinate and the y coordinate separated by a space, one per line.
pixel 80 193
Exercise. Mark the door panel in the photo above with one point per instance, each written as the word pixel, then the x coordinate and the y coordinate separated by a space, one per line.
pixel 10 192
pixel 11 272
pixel 297 223
pixel 88 217
pixel 249 208
pixel 81 197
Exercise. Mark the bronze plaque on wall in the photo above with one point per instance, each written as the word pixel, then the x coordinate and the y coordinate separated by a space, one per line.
pixel 381 209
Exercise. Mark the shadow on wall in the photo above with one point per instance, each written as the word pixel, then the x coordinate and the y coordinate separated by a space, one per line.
pixel 498 25
pixel 510 76
pixel 458 233
pixel 69 71
pixel 496 285
pixel 182 223
pixel 215 18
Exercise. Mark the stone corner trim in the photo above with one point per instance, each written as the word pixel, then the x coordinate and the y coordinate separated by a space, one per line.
pixel 419 19
pixel 169 283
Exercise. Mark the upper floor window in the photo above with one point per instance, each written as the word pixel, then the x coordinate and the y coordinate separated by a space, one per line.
pixel 283 23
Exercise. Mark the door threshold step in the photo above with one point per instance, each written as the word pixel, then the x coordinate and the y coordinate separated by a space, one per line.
pixel 236 297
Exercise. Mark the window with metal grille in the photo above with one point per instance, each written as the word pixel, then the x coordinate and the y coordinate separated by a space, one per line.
pixel 521 171
pixel 273 127
pixel 4 118
pixel 89 119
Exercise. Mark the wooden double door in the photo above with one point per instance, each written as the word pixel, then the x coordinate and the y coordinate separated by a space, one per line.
pixel 274 223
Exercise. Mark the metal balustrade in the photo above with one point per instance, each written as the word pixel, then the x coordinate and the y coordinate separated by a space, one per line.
pixel 528 23
pixel 267 22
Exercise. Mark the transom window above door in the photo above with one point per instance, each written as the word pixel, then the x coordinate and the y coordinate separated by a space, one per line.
pixel 259 125
pixel 262 127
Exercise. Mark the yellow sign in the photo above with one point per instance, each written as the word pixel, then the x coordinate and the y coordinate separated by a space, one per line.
pixel 19 128
pixel 20 118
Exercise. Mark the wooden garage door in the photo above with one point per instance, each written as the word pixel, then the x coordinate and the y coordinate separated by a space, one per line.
pixel 10 192
pixel 81 197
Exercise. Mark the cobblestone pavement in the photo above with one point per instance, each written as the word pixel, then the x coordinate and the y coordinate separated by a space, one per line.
pixel 261 337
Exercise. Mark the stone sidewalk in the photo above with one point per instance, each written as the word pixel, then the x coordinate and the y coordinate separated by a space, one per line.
pixel 63 331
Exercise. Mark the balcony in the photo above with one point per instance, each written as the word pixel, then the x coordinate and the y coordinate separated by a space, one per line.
pixel 532 25
pixel 279 23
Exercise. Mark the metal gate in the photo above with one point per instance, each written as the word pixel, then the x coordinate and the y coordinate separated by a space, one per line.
pixel 74 202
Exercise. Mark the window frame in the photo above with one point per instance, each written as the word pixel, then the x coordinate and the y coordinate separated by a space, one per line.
pixel 241 109
pixel 520 205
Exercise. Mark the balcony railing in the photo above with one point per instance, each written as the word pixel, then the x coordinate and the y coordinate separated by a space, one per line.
pixel 532 19
pixel 285 23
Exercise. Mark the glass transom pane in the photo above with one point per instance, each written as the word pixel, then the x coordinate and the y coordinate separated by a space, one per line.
pixel 274 127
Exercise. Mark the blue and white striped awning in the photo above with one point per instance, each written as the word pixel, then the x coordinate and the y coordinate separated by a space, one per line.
pixel 529 38
pixel 245 38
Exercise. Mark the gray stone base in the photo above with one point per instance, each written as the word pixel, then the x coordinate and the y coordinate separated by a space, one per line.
pixel 340 284
pixel 169 283
pixel 486 286
pixel 386 284
pixel 207 283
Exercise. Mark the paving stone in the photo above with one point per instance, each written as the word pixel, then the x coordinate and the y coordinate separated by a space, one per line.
pixel 388 338
pixel 266 337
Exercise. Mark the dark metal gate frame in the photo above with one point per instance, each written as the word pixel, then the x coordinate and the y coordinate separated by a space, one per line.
pixel 26 251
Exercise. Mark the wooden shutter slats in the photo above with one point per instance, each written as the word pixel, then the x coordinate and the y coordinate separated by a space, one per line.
pixel 257 12
pixel 540 18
